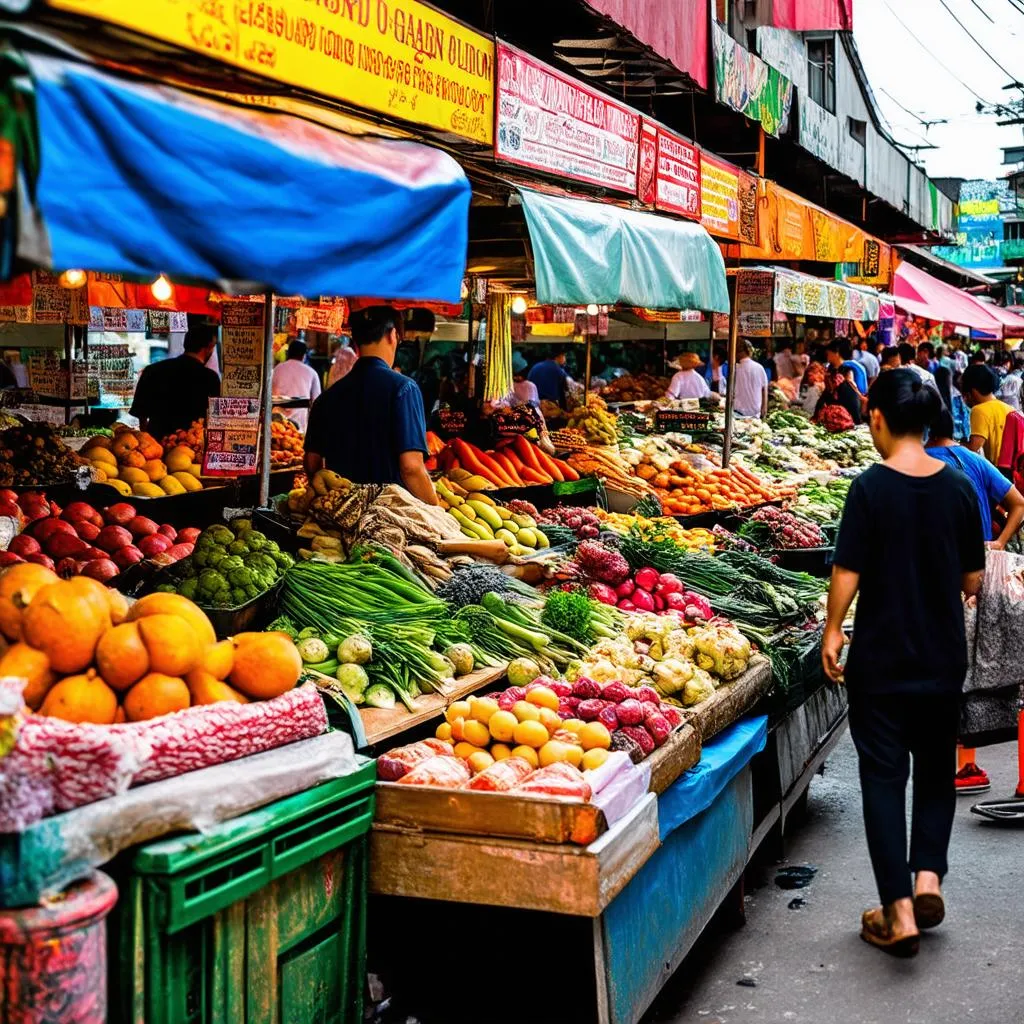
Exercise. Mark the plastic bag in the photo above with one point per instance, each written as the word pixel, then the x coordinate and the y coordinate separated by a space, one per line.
pixel 999 640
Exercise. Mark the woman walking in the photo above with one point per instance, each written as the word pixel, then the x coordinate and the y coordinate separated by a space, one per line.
pixel 908 655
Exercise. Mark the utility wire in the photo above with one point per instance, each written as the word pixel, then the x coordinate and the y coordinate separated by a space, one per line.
pixel 917 117
pixel 983 11
pixel 1009 74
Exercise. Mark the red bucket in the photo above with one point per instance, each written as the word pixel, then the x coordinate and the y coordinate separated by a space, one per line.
pixel 53 958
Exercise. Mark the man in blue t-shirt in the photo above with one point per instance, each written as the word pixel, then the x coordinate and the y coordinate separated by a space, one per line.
pixel 550 377
pixel 370 426
pixel 840 357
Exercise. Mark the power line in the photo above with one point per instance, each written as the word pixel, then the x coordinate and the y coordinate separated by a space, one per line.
pixel 917 117
pixel 980 46
pixel 983 11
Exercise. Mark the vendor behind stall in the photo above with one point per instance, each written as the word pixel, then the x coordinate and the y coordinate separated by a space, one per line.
pixel 172 394
pixel 369 426
pixel 687 382
pixel 551 378
pixel 295 378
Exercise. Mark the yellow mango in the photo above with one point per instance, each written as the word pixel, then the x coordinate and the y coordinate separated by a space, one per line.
pixel 171 486
pixel 148 490
pixel 131 475
pixel 188 481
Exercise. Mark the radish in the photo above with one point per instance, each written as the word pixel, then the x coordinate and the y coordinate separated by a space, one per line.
pixel 24 545
pixel 40 559
pixel 659 603
pixel 643 601
pixel 603 593
pixel 668 583
pixel 675 601
pixel 120 514
pixel 9 558
pixel 625 589
pixel 646 579
pixel 625 605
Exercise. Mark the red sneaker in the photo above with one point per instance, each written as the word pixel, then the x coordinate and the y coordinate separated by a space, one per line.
pixel 972 779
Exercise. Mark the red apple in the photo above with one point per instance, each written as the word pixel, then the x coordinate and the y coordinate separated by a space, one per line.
pixel 101 569
pixel 65 545
pixel 87 531
pixel 120 514
pixel 40 559
pixel 141 526
pixel 24 545
pixel 126 556
pixel 179 551
pixel 66 568
pixel 6 494
pixel 169 531
pixel 110 538
pixel 189 535
pixel 154 544
pixel 9 558
pixel 11 509
pixel 82 510
pixel 43 529
pixel 90 553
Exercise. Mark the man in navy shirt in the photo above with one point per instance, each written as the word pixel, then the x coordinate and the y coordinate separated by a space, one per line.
pixel 370 426
pixel 550 377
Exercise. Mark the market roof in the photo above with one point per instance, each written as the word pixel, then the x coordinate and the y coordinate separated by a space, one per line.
pixel 163 181
pixel 917 292
pixel 593 252
pixel 1013 323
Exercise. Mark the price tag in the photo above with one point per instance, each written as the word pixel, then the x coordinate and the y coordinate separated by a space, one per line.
pixel 232 437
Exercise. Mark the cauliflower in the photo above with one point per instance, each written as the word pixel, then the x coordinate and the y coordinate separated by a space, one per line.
pixel 679 644
pixel 602 671
pixel 698 688
pixel 720 649
pixel 671 676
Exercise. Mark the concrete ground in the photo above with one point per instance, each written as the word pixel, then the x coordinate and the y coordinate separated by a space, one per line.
pixel 808 965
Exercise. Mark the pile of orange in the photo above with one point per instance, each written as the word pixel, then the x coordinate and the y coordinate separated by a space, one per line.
pixel 286 442
pixel 87 656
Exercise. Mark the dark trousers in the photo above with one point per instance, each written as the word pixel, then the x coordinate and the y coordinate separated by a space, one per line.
pixel 887 730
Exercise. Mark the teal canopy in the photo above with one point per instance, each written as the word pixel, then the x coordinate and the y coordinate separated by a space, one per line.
pixel 592 252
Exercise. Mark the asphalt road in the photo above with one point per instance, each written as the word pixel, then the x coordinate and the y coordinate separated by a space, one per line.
pixel 808 965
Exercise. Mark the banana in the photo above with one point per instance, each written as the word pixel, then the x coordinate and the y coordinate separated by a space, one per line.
pixel 521 519
pixel 508 539
pixel 456 488
pixel 484 512
pixel 542 540
pixel 526 537
pixel 477 496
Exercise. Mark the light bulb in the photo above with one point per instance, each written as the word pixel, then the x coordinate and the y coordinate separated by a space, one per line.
pixel 592 309
pixel 72 279
pixel 519 305
pixel 161 289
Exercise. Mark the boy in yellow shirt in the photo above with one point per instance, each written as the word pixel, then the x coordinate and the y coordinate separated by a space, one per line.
pixel 988 413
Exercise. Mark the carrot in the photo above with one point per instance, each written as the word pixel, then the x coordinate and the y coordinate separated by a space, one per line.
pixel 476 461
pixel 534 476
pixel 549 465
pixel 568 473
pixel 508 467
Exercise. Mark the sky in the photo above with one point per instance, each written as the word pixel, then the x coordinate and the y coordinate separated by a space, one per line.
pixel 903 64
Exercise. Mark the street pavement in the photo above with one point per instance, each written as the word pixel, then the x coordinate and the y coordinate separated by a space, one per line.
pixel 808 966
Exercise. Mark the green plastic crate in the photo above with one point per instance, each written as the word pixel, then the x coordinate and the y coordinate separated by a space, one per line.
pixel 260 921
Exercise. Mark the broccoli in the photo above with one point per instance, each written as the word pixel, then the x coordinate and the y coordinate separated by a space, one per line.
pixel 241 526
pixel 271 547
pixel 283 560
pixel 219 535
pixel 240 577
pixel 230 563
pixel 189 587
pixel 188 568
pixel 255 540
pixel 238 596
pixel 166 588
pixel 211 585
pixel 214 558
pixel 238 547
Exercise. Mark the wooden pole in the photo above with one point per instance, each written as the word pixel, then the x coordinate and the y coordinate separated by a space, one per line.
pixel 267 412
pixel 730 389
pixel 586 379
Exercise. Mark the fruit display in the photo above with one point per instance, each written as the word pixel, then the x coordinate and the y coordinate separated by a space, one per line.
pixel 582 522
pixel 480 517
pixel 686 491
pixel 325 482
pixel 695 539
pixel 81 540
pixel 34 454
pixel 194 437
pixel 89 657
pixel 286 442
pixel 595 421
pixel 229 566
pixel 607 464
pixel 516 462
pixel 136 464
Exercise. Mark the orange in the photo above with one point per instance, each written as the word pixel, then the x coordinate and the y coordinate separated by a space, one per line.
pixel 574 754
pixel 175 604
pixel 484 708
pixel 499 751
pixel 18 585
pixel 573 725
pixel 527 754
pixel 218 659
pixel 458 709
pixel 553 751
pixel 82 698
pixel 465 750
pixel 458 729
pixel 479 761
pixel 154 695
pixel 476 733
pixel 121 656
pixel 173 646
pixel 550 720
pixel 525 712
pixel 444 732
pixel 531 734
pixel 204 689
pixel 594 758
pixel 65 622
pixel 266 665
pixel 503 725
pixel 27 663
pixel 595 736
pixel 543 697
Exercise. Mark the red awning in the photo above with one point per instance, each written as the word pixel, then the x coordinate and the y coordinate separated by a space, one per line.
pixel 1013 323
pixel 919 293
pixel 812 15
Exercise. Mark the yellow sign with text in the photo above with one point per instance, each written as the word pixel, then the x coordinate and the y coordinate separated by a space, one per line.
pixel 397 57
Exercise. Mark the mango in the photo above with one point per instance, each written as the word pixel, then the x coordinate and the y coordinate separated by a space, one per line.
pixel 485 513
pixel 187 480
pixel 121 487
pixel 171 486
pixel 148 490
pixel 97 454
pixel 508 539
pixel 131 475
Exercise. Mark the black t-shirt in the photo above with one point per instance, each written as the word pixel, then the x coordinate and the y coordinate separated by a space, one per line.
pixel 911 539
pixel 362 423
pixel 173 393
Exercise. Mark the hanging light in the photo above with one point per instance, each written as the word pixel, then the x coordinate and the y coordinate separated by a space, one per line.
pixel 72 279
pixel 162 289
pixel 519 305
pixel 592 309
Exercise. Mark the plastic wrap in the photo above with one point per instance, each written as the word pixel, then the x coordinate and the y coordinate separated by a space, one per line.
pixel 618 785
pixel 52 853
pixel 1000 624
pixel 56 765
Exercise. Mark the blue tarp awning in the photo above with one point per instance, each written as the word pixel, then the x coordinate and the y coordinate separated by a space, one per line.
pixel 143 179
pixel 593 252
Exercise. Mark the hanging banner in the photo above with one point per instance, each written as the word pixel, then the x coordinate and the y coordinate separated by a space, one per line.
pixel 755 291
pixel 728 200
pixel 242 344
pixel 671 182
pixel 550 122
pixel 54 304
pixel 819 131
pixel 406 60
pixel 232 437
pixel 745 83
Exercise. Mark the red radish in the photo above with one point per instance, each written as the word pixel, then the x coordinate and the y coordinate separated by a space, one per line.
pixel 9 558
pixel 616 692
pixel 111 538
pixel 179 551
pixel 154 544
pixel 561 687
pixel 90 553
pixel 659 603
pixel 668 583
pixel 87 531
pixel 44 529
pixel 168 531
pixel 631 712
pixel 586 689
pixel 646 579
pixel 24 545
pixel 82 510
pixel 625 589
pixel 609 717
pixel 675 602
pixel 625 605
pixel 589 710
pixel 63 545
pixel 66 568
pixel 189 535
pixel 603 593
pixel 120 513
pixel 40 559
pixel 141 526
pixel 126 556
pixel 11 509
pixel 643 601
pixel 647 695
pixel 101 569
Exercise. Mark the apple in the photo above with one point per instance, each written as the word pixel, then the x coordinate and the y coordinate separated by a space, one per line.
pixel 189 535
pixel 169 531
pixel 40 559
pixel 9 558
pixel 87 531
pixel 120 514
pixel 24 545
pixel 66 568
pixel 102 569
pixel 126 556
pixel 43 529
pixel 65 545
pixel 141 526
pixel 82 510
pixel 154 544
pixel 110 538
pixel 11 509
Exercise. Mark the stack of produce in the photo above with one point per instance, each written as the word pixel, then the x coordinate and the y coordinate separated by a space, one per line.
pixel 551 721
pixel 516 462
pixel 772 529
pixel 696 539
pixel 582 523
pixel 33 454
pixel 229 566
pixel 135 463
pixel 480 517
pixel 608 465
pixel 686 491
pixel 83 541
pixel 651 591
pixel 638 388
pixel 88 657
pixel 595 421
pixel 821 503
pixel 286 442
pixel 316 494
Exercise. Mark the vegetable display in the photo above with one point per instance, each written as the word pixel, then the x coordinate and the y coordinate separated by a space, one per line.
pixel 480 517
pixel 516 462
pixel 772 528
pixel 595 421
pixel 34 454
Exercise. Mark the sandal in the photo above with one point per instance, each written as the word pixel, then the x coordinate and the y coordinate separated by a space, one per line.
pixel 929 910
pixel 877 931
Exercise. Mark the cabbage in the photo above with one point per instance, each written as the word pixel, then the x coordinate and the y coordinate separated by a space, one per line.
pixel 354 681
pixel 355 650
pixel 699 688
pixel 522 672
pixel 461 656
